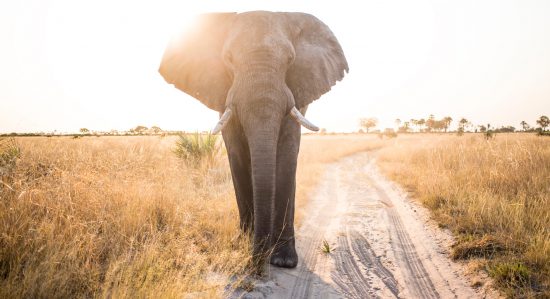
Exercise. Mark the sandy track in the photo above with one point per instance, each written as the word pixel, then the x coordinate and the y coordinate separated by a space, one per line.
pixel 382 245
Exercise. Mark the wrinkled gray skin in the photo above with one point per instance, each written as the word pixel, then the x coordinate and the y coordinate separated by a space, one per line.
pixel 260 65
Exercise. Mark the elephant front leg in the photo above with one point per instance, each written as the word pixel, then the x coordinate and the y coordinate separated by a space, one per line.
pixel 239 162
pixel 284 251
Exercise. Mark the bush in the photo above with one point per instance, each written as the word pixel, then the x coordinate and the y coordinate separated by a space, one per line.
pixel 540 132
pixel 194 148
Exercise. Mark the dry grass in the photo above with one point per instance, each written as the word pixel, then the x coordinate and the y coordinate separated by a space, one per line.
pixel 493 194
pixel 124 217
pixel 121 217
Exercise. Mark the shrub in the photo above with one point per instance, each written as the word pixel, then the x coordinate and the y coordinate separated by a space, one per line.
pixel 511 275
pixel 194 148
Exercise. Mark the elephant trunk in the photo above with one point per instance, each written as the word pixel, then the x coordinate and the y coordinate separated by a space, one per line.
pixel 260 103
pixel 263 154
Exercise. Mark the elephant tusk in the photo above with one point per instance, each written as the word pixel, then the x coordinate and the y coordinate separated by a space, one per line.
pixel 222 122
pixel 302 120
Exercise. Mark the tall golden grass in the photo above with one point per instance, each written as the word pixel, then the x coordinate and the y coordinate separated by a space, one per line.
pixel 124 217
pixel 493 194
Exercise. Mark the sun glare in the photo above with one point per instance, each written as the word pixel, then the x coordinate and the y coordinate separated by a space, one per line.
pixel 95 64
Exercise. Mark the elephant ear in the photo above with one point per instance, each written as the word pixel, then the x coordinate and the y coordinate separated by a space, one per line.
pixel 319 61
pixel 193 61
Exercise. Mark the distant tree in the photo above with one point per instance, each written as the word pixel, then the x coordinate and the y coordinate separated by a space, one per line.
pixel 447 122
pixel 524 125
pixel 488 132
pixel 462 124
pixel 421 122
pixel 505 129
pixel 156 129
pixel 413 122
pixel 84 131
pixel 482 128
pixel 368 123
pixel 430 123
pixel 397 122
pixel 543 122
pixel 405 128
pixel 140 129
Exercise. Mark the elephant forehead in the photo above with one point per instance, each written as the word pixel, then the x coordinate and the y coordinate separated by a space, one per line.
pixel 258 29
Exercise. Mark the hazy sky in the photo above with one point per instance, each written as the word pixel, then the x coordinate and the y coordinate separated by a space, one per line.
pixel 67 64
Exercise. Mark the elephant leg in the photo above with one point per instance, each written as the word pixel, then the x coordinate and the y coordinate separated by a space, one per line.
pixel 284 252
pixel 239 162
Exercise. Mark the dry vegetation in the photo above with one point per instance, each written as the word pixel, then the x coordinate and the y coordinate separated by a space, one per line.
pixel 122 217
pixel 493 194
pixel 125 217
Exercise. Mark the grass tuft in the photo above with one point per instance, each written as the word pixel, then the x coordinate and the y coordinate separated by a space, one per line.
pixel 511 275
pixel 325 248
pixel 485 247
pixel 196 148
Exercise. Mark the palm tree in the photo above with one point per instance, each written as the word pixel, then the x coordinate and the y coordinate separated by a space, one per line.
pixel 414 122
pixel 430 122
pixel 447 122
pixel 421 122
pixel 406 126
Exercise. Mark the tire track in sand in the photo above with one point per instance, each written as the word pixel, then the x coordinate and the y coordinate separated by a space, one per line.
pixel 418 278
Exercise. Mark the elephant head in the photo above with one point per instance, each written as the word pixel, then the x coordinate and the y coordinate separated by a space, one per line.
pixel 260 70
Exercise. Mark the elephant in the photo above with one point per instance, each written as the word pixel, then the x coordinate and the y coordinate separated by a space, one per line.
pixel 260 70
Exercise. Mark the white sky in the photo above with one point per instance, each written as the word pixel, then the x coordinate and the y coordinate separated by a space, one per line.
pixel 67 64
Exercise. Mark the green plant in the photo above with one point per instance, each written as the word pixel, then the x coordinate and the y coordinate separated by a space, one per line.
pixel 325 248
pixel 194 148
pixel 511 274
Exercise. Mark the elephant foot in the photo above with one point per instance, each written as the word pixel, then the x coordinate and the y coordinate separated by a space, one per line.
pixel 285 255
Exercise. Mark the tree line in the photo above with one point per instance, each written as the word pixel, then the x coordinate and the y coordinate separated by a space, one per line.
pixel 431 124
pixel 138 130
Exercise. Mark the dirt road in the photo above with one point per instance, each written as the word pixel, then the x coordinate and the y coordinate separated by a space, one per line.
pixel 381 245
